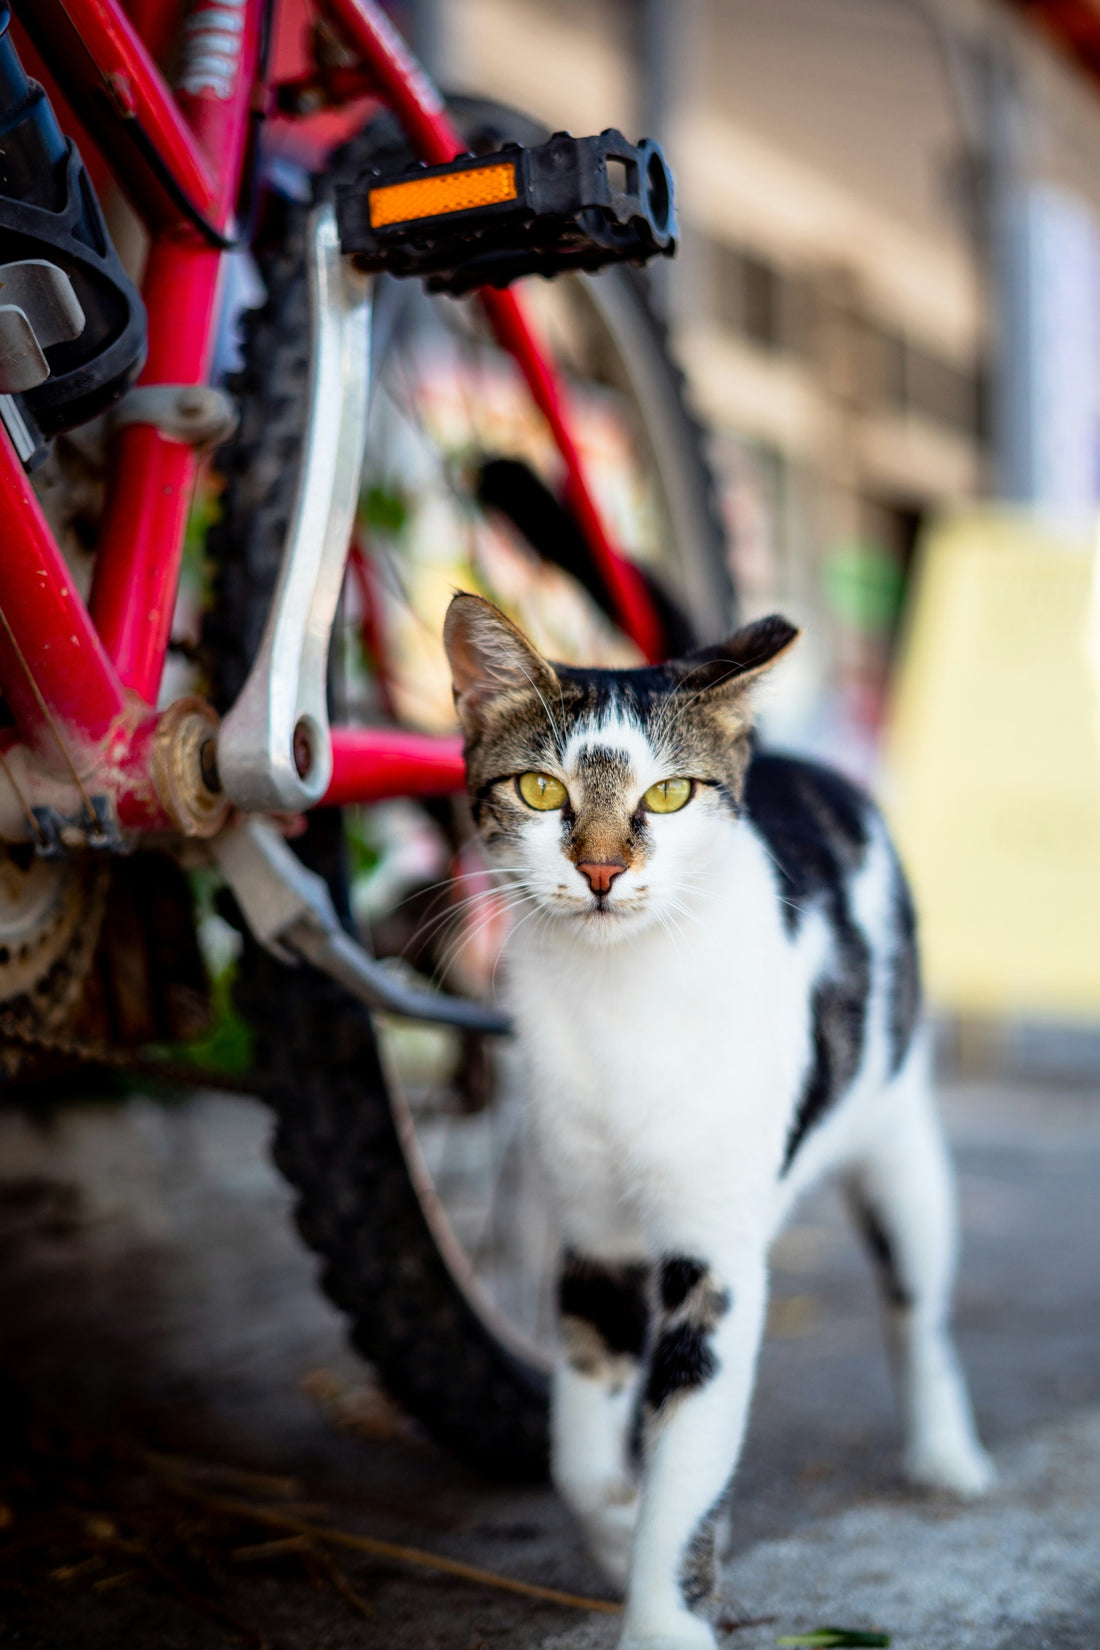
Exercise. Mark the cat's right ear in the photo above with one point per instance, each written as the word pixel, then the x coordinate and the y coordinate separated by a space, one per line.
pixel 737 662
pixel 489 656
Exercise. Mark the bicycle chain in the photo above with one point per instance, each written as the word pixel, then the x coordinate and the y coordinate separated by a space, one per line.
pixel 71 971
pixel 95 1053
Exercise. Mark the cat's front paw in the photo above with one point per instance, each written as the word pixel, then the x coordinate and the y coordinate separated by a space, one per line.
pixel 963 1470
pixel 684 1633
pixel 609 1531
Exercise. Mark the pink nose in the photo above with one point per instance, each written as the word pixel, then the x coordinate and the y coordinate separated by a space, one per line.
pixel 601 873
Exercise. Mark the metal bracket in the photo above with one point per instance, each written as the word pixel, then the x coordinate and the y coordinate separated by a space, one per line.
pixel 274 750
pixel 60 834
pixel 28 446
pixel 38 308
pixel 196 414
pixel 290 911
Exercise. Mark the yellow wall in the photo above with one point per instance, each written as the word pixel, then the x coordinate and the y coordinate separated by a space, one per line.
pixel 993 766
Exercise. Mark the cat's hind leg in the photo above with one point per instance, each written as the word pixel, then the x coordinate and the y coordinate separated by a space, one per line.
pixel 604 1315
pixel 902 1194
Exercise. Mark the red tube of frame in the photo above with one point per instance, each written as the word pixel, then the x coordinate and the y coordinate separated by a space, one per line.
pixel 153 477
pixel 138 565
pixel 56 676
pixel 371 764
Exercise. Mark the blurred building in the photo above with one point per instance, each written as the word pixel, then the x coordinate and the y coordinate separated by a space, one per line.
pixel 846 171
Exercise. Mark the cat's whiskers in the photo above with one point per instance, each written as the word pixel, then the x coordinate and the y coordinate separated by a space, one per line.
pixel 791 903
pixel 501 904
pixel 666 925
pixel 433 921
pixel 468 936
pixel 538 911
pixel 449 881
pixel 684 910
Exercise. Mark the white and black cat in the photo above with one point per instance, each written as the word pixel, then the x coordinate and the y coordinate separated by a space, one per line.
pixel 717 1001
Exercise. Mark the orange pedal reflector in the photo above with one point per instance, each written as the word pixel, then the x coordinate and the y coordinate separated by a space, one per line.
pixel 431 197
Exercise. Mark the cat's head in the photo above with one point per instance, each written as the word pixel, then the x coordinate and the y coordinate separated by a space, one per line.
pixel 606 795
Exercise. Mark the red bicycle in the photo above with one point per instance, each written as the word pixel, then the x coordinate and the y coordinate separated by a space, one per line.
pixel 251 807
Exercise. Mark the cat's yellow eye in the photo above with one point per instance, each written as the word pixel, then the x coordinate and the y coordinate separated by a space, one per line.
pixel 668 796
pixel 540 790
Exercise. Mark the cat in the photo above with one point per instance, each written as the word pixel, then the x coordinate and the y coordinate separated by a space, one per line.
pixel 715 989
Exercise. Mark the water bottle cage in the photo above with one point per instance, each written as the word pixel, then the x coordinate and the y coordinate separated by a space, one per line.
pixel 72 338
pixel 90 370
pixel 485 220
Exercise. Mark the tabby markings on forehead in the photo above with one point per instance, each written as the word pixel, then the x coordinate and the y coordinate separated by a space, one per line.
pixel 605 774
pixel 604 745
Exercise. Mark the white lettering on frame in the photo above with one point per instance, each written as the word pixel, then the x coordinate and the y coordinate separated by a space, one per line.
pixel 210 58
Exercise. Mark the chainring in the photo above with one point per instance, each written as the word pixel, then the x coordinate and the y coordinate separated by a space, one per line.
pixel 51 911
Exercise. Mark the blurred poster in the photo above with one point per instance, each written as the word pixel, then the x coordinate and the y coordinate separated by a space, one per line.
pixel 993 766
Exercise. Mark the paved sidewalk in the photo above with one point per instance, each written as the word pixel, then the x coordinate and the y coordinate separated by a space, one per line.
pixel 1022 1569
pixel 150 1286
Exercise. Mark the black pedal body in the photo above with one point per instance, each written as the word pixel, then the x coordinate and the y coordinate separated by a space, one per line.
pixel 485 220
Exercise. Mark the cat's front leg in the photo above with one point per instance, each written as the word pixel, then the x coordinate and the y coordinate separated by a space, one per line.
pixel 697 1394
pixel 604 1317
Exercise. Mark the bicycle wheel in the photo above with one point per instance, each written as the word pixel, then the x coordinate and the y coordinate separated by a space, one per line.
pixel 405 1144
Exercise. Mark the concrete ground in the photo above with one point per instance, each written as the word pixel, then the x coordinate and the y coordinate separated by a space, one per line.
pixel 153 1296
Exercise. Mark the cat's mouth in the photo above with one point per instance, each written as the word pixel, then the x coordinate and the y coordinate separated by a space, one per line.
pixel 605 908
pixel 601 912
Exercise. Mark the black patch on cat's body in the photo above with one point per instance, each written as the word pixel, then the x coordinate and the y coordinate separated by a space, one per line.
pixel 816 827
pixel 693 1300
pixel 610 1298
pixel 882 1252
pixel 682 1360
pixel 839 1008
pixel 815 824
pixel 679 1275
pixel 903 988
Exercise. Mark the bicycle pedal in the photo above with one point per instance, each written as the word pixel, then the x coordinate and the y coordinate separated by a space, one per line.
pixel 485 220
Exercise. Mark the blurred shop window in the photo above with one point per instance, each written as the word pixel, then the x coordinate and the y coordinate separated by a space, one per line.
pixel 903 377
pixel 768 306
pixel 885 368
pixel 943 393
pixel 761 302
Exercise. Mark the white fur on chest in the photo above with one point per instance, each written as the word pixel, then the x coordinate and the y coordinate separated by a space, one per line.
pixel 663 1068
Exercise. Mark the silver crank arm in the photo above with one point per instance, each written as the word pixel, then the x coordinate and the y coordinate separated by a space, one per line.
pixel 274 749
pixel 290 912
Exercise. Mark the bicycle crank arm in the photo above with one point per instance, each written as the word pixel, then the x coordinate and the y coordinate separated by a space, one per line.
pixel 274 748
pixel 290 912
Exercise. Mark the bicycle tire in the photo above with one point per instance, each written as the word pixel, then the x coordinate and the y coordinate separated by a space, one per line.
pixel 336 1139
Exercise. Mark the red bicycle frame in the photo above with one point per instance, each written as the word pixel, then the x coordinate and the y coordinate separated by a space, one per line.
pixel 81 680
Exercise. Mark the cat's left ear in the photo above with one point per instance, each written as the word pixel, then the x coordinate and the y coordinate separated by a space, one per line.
pixel 490 657
pixel 737 663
